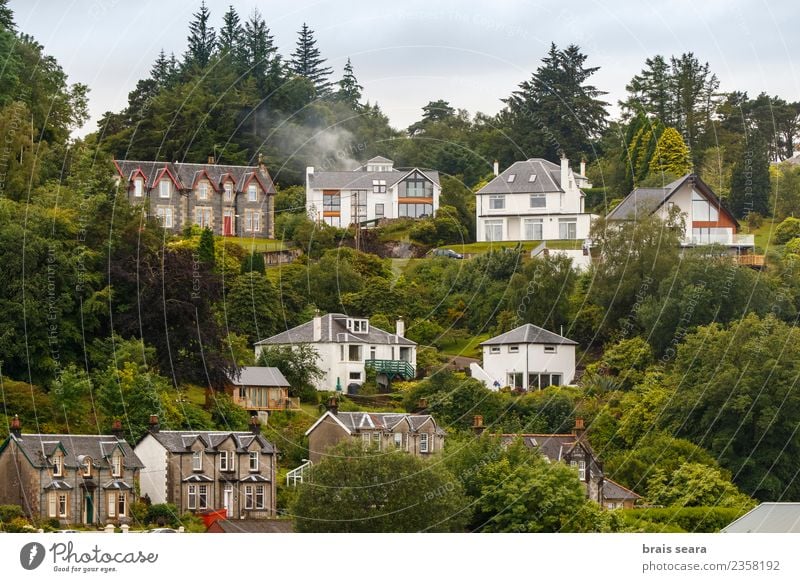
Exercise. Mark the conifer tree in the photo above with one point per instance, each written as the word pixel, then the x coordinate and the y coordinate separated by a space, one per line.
pixel 229 41
pixel 205 248
pixel 349 89
pixel 201 39
pixel 750 181
pixel 259 50
pixel 6 16
pixel 671 155
pixel 307 62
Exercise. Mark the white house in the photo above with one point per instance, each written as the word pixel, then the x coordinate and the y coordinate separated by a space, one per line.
pixel 347 346
pixel 527 357
pixel 371 192
pixel 533 200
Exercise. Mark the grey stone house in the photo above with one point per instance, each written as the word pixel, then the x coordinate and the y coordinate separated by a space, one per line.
pixel 204 470
pixel 76 479
pixel 231 200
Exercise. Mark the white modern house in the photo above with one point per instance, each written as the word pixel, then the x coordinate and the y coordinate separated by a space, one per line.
pixel 371 192
pixel 533 199
pixel 347 346
pixel 528 358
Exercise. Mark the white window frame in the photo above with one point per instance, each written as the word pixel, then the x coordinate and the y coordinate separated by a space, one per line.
pixel 253 456
pixel 378 186
pixel 249 497
pixel 376 440
pixel 366 439
pixel 122 504
pixel 191 496
pixel 63 504
pixel 165 188
pixel 513 349
pixel 116 466
pixel 550 349
pixel 202 191
pixel 164 214
pixel 537 198
pixel 111 503
pixel 532 178
pixel 58 465
pixel 511 178
pixel 202 497
pixel 260 497
pixel 489 227
pixel 203 216
pixel 226 461
pixel 197 461
pixel 138 188
pixel 565 223
pixel 497 202
pixel 582 470
pixel 398 440
pixel 228 192
pixel 252 221
pixel 530 226
pixel 494 349
pixel 379 210
pixel 252 193
pixel 87 467
pixel 52 504
pixel 424 442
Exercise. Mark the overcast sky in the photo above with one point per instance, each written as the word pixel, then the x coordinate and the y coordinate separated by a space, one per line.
pixel 408 52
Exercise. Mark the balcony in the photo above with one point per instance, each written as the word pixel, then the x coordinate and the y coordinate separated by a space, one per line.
pixel 727 239
pixel 392 368
pixel 754 261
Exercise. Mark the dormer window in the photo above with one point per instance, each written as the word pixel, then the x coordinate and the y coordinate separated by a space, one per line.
pixel 58 466
pixel 164 189
pixel 197 461
pixel 252 193
pixel 202 191
pixel 87 467
pixel 228 192
pixel 138 188
pixel 511 178
pixel 358 325
pixel 379 186
pixel 116 466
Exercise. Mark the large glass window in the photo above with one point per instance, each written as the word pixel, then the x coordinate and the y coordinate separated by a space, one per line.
pixel 415 210
pixel 202 191
pixel 202 216
pixel 331 202
pixel 417 186
pixel 138 188
pixel 567 228
pixel 497 201
pixel 538 200
pixel 164 188
pixel 494 230
pixel 252 221
pixel 702 210
pixel 228 192
pixel 533 229
pixel 164 214
pixel 354 353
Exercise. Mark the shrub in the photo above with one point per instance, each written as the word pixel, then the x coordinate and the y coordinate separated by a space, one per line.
pixel 163 515
pixel 754 220
pixel 688 519
pixel 9 512
pixel 787 230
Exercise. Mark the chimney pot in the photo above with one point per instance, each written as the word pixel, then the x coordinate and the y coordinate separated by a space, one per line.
pixel 333 405
pixel 317 326
pixel 477 424
pixel 400 327
pixel 564 172
pixel 255 425
pixel 496 167
pixel 154 426
pixel 16 426
pixel 211 160
pixel 579 426
pixel 116 428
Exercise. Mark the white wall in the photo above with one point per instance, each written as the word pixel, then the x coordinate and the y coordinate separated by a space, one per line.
pixel 514 226
pixel 153 477
pixel 530 359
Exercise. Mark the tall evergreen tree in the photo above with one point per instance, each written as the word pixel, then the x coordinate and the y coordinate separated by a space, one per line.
pixel 750 182
pixel 259 50
pixel 229 41
pixel 307 62
pixel 650 92
pixel 201 39
pixel 6 16
pixel 694 87
pixel 671 156
pixel 349 89
pixel 164 69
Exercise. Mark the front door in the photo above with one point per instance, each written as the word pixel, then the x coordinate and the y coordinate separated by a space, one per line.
pixel 227 224
pixel 88 501
pixel 228 500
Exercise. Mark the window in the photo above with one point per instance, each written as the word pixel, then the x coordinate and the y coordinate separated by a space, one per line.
pixel 514 380
pixel 226 461
pixel 253 458
pixel 538 200
pixel 116 466
pixel 493 230
pixel 164 214
pixel 202 497
pixel 202 216
pixel 376 440
pixel 252 193
pixel 497 201
pixel 248 497
pixel 398 440
pixel 513 349
pixel 164 188
pixel 702 210
pixel 567 228
pixel 122 504
pixel 112 503
pixel 58 465
pixel 423 442
pixel 582 470
pixel 365 439
pixel 252 221
pixel 379 186
pixel 138 188
pixel 550 349
pixel 62 505
pixel 52 504
pixel 379 211
pixel 331 201
pixel 358 325
pixel 197 461
pixel 87 467
pixel 511 178
pixel 260 499
pixel 533 229
pixel 355 375
pixel 417 186
pixel 191 497
pixel 532 178
pixel 406 210
pixel 372 352
pixel 354 353
pixel 202 191
pixel 228 192
pixel 538 381
pixel 494 350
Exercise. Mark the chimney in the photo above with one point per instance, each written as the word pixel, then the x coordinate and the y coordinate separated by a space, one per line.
pixel 400 327
pixel 309 172
pixel 16 426
pixel 211 160
pixel 255 426
pixel 332 405
pixel 579 429
pixel 261 163
pixel 564 172
pixel 116 429
pixel 422 406
pixel 583 166
pixel 154 426
pixel 316 324
pixel 477 425
pixel 496 168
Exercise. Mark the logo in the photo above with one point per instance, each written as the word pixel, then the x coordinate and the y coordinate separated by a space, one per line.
pixel 31 555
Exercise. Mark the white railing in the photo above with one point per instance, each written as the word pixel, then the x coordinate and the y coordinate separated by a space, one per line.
pixel 727 239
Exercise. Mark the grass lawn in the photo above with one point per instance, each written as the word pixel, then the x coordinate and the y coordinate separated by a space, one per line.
pixel 195 394
pixel 763 234
pixel 528 245
pixel 255 244
pixel 467 347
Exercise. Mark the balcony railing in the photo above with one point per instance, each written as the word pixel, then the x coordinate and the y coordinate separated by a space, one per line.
pixel 726 239
pixel 392 368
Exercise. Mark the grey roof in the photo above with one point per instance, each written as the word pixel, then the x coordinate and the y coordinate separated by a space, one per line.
pixel 334 330
pixel 768 518
pixel 254 526
pixel 613 490
pixel 38 447
pixel 548 178
pixel 528 334
pixel 645 201
pixel 180 441
pixel 380 160
pixel 187 174
pixel 553 446
pixel 362 180
pixel 260 376
pixel 369 421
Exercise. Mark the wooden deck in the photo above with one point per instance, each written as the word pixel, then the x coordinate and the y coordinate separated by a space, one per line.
pixel 755 261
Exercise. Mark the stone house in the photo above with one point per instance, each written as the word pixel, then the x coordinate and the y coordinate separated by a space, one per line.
pixel 205 470
pixel 75 479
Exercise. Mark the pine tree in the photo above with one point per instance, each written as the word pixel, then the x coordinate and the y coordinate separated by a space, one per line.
pixel 201 39
pixel 650 91
pixel 349 89
pixel 671 156
pixel 307 62
pixel 259 50
pixel 205 248
pixel 229 41
pixel 750 181
pixel 6 17
pixel 163 70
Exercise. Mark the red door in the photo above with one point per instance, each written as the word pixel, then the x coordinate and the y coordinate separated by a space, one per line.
pixel 227 227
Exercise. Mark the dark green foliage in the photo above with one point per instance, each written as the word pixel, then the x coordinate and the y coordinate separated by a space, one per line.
pixel 254 263
pixel 205 248
pixel 201 39
pixel 251 306
pixel 163 515
pixel 298 364
pixel 750 180
pixel 306 62
pixel 226 414
pixel 787 230
pixel 349 89
pixel 680 519
pixel 353 489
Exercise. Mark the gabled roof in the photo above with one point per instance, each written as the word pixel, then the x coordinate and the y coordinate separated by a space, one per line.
pixel 380 160
pixel 646 201
pixel 37 448
pixel 362 179
pixel 768 518
pixel 548 178
pixel 186 175
pixel 334 330
pixel 528 334
pixel 353 422
pixel 179 441
pixel 613 490
pixel 259 376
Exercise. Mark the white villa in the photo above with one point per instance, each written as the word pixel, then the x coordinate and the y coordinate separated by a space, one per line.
pixel 371 192
pixel 347 346
pixel 533 200
pixel 528 358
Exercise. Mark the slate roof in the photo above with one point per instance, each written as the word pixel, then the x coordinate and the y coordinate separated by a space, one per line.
pixel 548 178
pixel 528 334
pixel 379 160
pixel 384 421
pixel 180 441
pixel 259 376
pixel 768 518
pixel 251 526
pixel 186 174
pixel 552 446
pixel 362 180
pixel 37 447
pixel 334 330
pixel 613 490
pixel 645 201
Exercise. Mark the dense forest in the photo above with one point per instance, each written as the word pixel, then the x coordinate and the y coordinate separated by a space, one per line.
pixel 690 360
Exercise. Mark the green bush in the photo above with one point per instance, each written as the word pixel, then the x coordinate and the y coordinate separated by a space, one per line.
pixel 787 230
pixel 9 512
pixel 754 220
pixel 163 515
pixel 793 246
pixel 685 519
